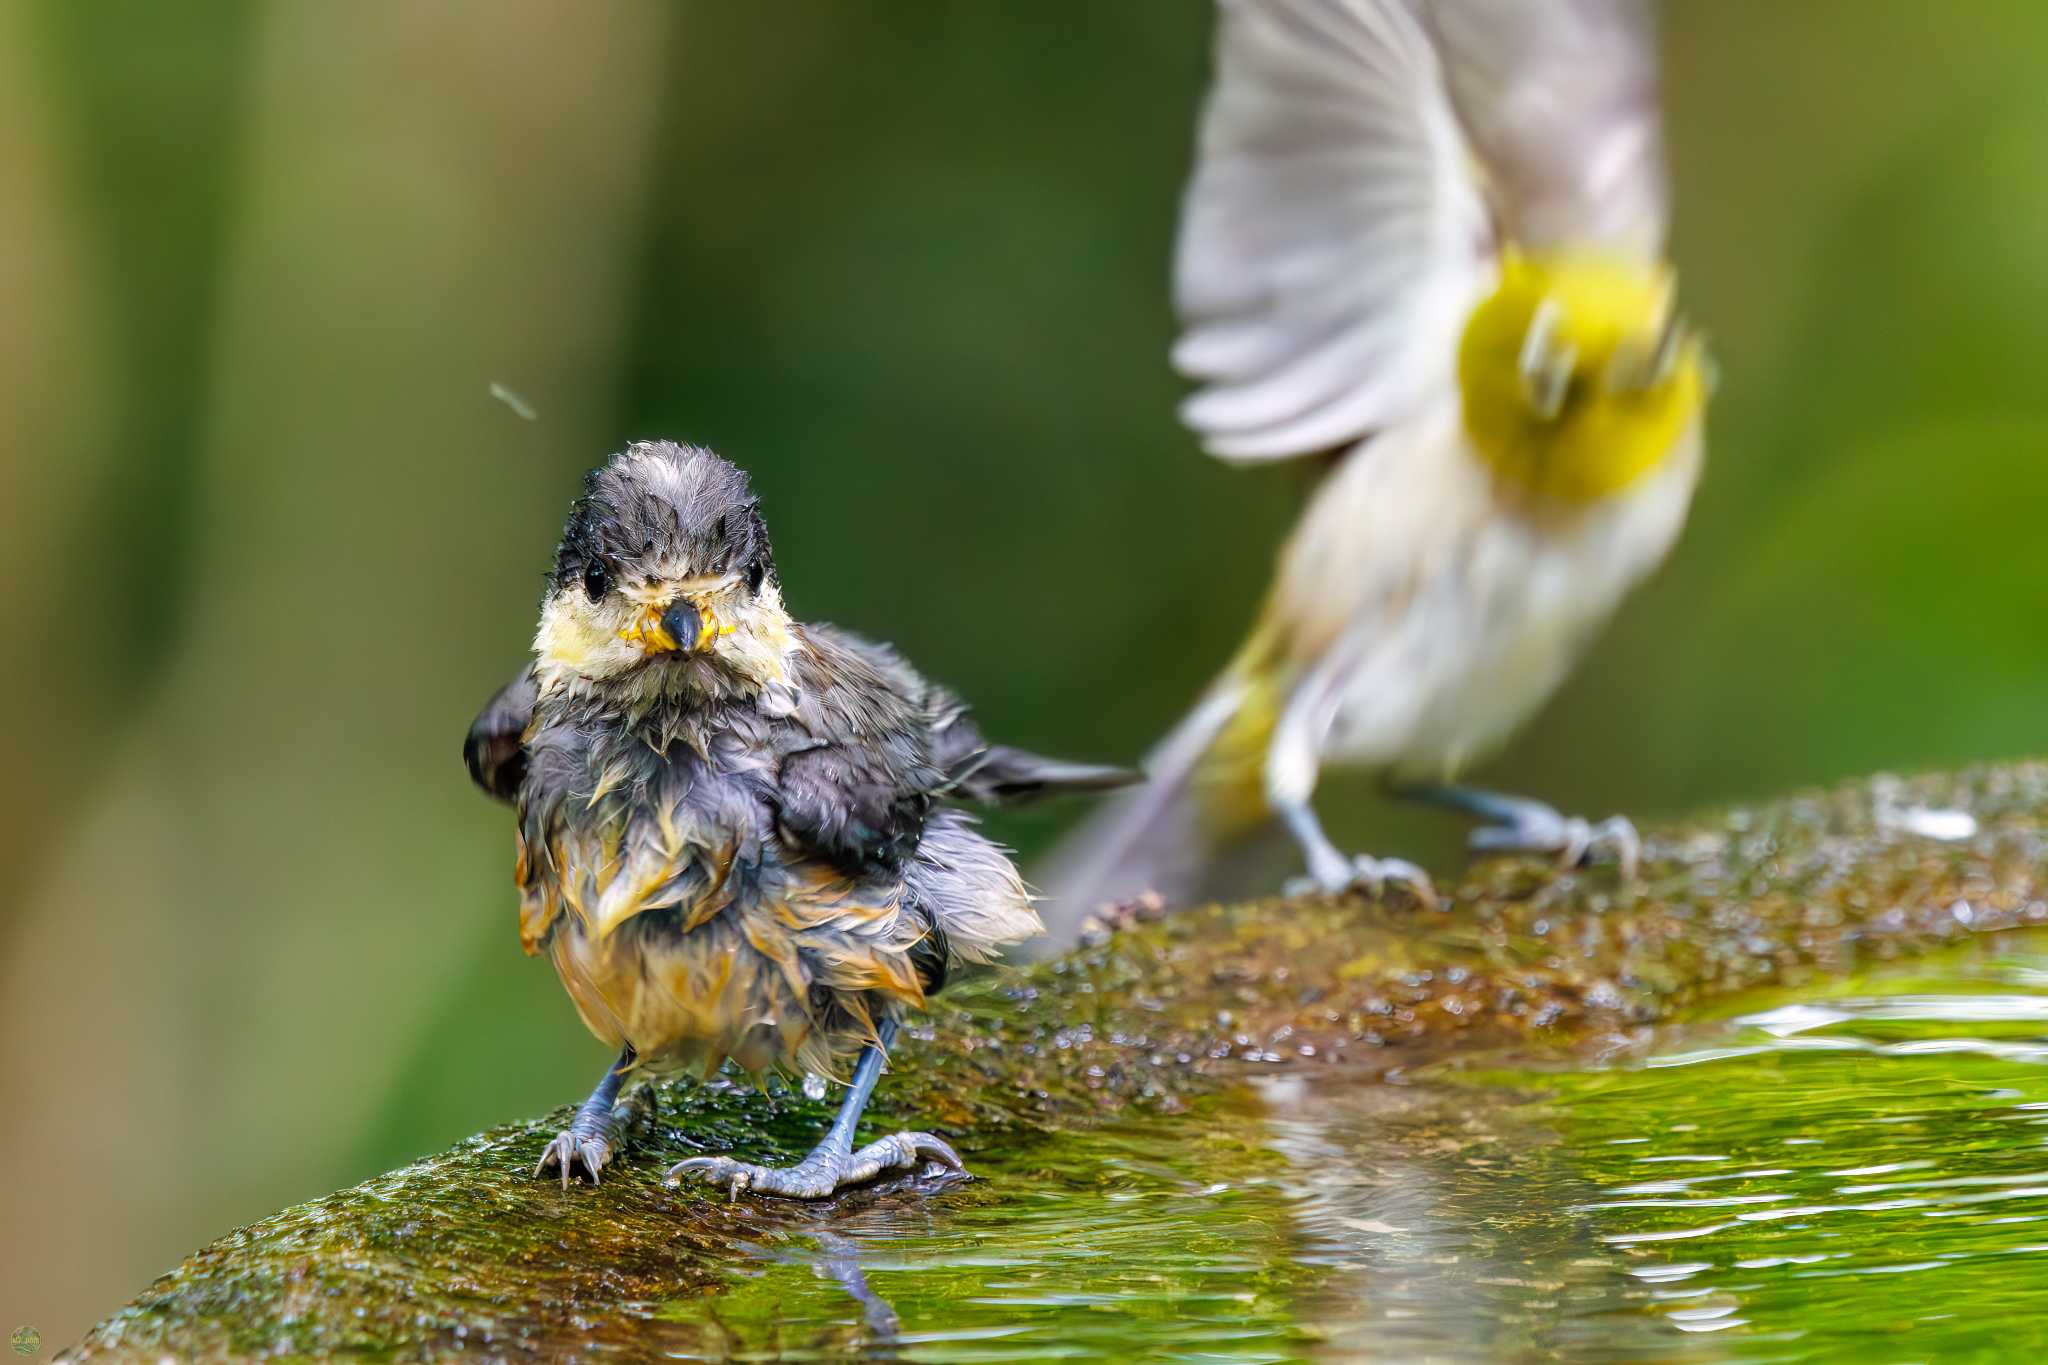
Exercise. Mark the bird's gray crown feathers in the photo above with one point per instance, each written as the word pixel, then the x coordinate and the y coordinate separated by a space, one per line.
pixel 660 501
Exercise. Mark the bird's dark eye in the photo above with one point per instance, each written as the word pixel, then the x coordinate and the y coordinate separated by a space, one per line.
pixel 597 579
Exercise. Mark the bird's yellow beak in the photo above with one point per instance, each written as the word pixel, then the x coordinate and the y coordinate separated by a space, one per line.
pixel 677 628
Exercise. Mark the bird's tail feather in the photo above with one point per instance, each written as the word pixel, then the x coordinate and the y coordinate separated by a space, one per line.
pixel 1202 795
pixel 1000 773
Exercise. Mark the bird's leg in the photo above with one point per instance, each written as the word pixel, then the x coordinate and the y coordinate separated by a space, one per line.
pixel 1516 824
pixel 833 1164
pixel 593 1136
pixel 1331 872
pixel 1292 763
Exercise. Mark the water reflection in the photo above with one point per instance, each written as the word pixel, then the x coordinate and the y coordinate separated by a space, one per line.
pixel 1862 1173
pixel 835 1257
pixel 1441 1217
pixel 1846 1175
pixel 1854 1173
pixel 1153 1240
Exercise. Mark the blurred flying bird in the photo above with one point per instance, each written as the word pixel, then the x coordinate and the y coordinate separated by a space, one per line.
pixel 1423 241
pixel 732 836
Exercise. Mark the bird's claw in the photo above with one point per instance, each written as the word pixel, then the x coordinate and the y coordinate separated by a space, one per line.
pixel 1575 840
pixel 1377 874
pixel 905 1152
pixel 735 1176
pixel 571 1148
pixel 1618 832
pixel 821 1174
pixel 1371 875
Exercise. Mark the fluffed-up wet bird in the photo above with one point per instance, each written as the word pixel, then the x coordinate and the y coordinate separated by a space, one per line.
pixel 734 836
pixel 1422 248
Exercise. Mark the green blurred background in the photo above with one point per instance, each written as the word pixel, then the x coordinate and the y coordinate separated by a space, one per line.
pixel 268 540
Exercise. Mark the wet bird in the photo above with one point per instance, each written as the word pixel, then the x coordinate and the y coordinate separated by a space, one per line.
pixel 734 837
pixel 1421 248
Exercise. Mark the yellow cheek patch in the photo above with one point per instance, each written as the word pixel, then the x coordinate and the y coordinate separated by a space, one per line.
pixel 566 638
pixel 1602 438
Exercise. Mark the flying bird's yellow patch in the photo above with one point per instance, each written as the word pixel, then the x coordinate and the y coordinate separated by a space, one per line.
pixel 1232 776
pixel 1575 377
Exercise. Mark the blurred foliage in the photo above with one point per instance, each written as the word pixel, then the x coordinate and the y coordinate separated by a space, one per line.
pixel 270 539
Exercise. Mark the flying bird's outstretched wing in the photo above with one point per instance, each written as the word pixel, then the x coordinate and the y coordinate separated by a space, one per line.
pixel 1560 103
pixel 1361 163
pixel 1333 239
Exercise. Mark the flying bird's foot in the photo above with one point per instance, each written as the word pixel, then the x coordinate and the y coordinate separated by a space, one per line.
pixel 571 1149
pixel 1333 874
pixel 1536 828
pixel 1340 875
pixel 1516 824
pixel 825 1171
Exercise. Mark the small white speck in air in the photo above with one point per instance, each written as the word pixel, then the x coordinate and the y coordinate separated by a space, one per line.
pixel 521 409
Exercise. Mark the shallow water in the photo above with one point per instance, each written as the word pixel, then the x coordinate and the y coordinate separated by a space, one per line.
pixel 1851 1171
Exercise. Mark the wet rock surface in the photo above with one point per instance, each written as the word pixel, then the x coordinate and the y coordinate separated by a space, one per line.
pixel 465 1253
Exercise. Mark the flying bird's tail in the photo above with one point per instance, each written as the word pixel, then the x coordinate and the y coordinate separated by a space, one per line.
pixel 1202 803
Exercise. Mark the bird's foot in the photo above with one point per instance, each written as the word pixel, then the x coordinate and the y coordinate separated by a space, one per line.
pixel 599 1129
pixel 1333 874
pixel 824 1172
pixel 1533 827
pixel 1336 874
pixel 577 1145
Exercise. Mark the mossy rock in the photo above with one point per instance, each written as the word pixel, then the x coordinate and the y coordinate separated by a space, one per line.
pixel 465 1252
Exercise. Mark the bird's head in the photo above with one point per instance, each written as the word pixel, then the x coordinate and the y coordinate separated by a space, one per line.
pixel 663 582
pixel 1578 375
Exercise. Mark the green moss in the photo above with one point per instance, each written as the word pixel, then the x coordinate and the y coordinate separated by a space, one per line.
pixel 1097 1092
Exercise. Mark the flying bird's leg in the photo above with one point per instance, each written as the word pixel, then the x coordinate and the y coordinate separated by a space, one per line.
pixel 1517 824
pixel 1331 872
pixel 1293 760
pixel 833 1164
pixel 593 1135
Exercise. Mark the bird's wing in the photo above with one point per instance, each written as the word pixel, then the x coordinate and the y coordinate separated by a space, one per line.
pixel 495 748
pixel 883 745
pixel 1559 101
pixel 1334 236
pixel 858 782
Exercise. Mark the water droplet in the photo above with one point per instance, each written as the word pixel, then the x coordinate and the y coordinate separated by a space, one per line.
pixel 1946 825
pixel 814 1086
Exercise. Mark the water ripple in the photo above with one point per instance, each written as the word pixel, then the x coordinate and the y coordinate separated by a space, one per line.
pixel 1855 1175
pixel 1702 1190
